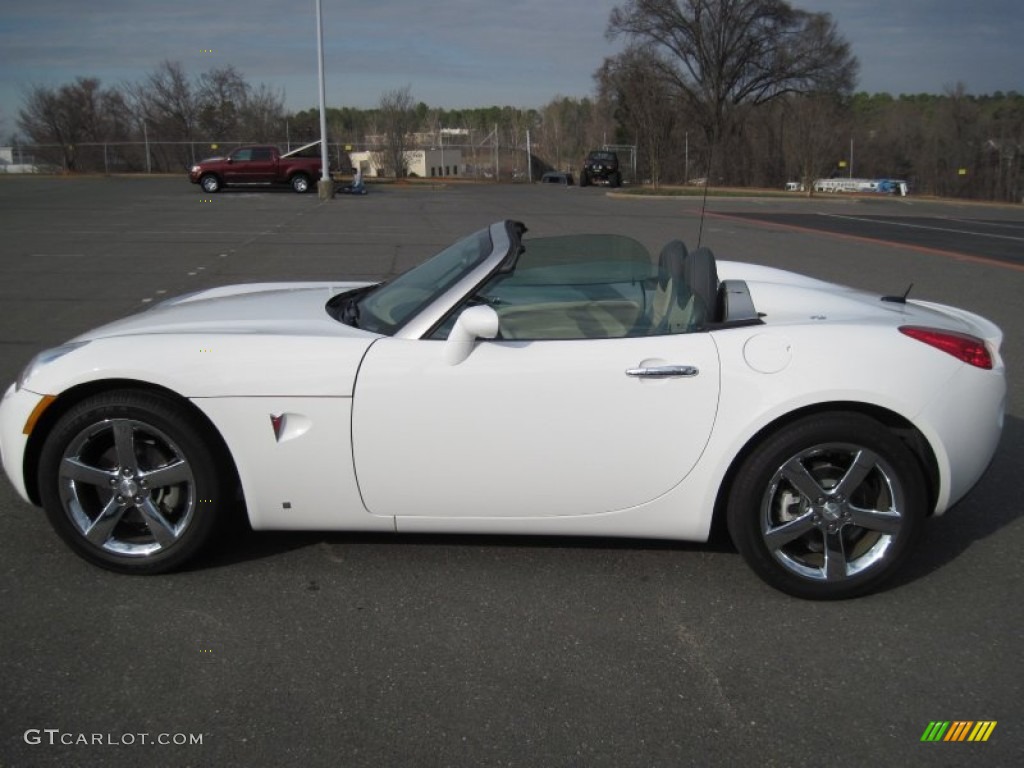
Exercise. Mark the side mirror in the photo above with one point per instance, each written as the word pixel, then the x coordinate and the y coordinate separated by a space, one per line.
pixel 479 322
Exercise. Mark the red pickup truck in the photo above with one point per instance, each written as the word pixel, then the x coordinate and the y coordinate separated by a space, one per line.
pixel 261 165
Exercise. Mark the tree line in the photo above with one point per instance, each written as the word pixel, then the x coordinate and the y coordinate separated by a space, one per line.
pixel 738 92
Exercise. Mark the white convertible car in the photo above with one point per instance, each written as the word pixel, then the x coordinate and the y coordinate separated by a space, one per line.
pixel 566 385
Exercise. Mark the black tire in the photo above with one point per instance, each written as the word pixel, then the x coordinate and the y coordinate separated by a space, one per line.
pixel 210 183
pixel 132 481
pixel 300 183
pixel 828 507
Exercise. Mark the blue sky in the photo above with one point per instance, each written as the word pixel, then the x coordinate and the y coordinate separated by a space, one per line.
pixel 456 53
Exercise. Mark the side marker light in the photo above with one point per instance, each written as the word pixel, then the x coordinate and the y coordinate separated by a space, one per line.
pixel 37 412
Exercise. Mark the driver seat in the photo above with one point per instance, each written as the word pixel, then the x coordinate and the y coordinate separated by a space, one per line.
pixel 685 295
pixel 670 275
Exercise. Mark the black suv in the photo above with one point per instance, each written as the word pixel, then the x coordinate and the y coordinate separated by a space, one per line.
pixel 601 167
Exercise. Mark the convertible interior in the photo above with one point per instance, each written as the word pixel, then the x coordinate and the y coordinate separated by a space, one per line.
pixel 606 286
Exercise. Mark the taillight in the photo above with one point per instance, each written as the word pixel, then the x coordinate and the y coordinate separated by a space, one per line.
pixel 962 346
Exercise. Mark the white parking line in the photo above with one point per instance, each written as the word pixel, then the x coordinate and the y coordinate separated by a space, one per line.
pixel 922 226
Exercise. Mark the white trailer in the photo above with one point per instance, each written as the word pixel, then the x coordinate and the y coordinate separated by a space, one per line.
pixel 882 186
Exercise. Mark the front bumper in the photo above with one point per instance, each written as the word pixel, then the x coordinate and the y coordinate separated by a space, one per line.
pixel 15 409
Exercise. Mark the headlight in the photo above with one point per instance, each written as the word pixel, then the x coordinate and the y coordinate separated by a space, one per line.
pixel 44 358
pixel 195 169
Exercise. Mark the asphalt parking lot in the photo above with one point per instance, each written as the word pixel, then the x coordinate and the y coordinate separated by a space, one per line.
pixel 367 650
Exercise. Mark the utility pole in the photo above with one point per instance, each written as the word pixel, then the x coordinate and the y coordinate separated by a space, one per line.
pixel 529 158
pixel 145 137
pixel 686 171
pixel 325 187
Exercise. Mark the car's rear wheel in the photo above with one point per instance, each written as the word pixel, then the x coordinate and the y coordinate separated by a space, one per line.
pixel 300 183
pixel 210 183
pixel 132 482
pixel 827 507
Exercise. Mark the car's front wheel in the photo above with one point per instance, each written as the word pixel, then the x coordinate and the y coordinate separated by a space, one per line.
pixel 132 482
pixel 210 183
pixel 827 507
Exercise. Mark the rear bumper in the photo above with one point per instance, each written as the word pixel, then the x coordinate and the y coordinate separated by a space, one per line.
pixel 963 426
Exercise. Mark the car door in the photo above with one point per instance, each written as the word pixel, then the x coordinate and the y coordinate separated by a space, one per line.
pixel 262 167
pixel 531 428
pixel 237 171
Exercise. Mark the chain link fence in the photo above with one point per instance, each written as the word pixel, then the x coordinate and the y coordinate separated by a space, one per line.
pixel 119 157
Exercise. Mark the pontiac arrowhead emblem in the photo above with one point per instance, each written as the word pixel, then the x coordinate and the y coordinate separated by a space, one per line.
pixel 276 422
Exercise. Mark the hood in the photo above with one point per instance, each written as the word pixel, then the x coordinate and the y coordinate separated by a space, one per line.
pixel 255 308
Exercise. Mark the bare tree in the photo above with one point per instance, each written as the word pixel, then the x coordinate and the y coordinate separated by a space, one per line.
pixel 229 107
pixel 168 108
pixel 180 113
pixel 568 129
pixel 43 121
pixel 813 141
pixel 262 116
pixel 397 115
pixel 221 95
pixel 642 103
pixel 720 55
pixel 77 113
pixel 169 102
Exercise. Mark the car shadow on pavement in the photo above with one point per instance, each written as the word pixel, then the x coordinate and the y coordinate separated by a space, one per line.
pixel 241 544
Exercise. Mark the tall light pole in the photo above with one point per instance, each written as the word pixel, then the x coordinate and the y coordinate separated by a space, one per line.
pixel 686 167
pixel 145 137
pixel 325 186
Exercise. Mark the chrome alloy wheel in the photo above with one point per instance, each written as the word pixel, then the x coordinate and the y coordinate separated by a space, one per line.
pixel 127 487
pixel 832 512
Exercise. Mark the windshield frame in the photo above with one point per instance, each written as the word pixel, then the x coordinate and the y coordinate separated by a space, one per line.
pixel 495 244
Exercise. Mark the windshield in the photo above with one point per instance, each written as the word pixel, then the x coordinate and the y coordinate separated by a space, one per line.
pixel 392 305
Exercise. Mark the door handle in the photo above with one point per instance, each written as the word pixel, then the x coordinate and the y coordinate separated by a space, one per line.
pixel 663 371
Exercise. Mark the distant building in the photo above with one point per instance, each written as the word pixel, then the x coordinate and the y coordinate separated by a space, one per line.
pixel 25 163
pixel 423 163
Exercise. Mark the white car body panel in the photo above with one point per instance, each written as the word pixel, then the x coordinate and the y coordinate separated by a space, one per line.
pixel 382 432
pixel 435 439
pixel 215 365
pixel 941 401
pixel 304 478
pixel 267 309
pixel 15 409
pixel 249 340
